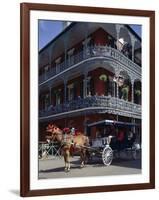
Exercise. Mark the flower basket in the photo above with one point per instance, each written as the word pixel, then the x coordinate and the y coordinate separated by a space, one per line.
pixel 103 77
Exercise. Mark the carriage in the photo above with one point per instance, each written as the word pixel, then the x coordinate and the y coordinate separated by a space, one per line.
pixel 108 143
pixel 111 137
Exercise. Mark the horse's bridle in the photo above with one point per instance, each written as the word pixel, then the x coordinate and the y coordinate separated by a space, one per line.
pixel 55 134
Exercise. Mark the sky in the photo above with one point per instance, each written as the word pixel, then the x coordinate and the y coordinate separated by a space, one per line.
pixel 49 29
pixel 137 29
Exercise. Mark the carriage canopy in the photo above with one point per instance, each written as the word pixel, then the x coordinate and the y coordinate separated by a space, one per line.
pixel 112 122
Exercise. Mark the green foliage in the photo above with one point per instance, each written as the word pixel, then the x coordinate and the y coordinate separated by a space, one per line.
pixel 103 77
pixel 138 92
pixel 125 91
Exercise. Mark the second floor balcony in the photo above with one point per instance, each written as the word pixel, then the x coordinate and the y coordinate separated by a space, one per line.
pixel 97 104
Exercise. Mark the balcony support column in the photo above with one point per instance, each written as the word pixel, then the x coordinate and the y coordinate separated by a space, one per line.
pixel 133 121
pixel 86 41
pixel 50 56
pixel 133 40
pixel 117 90
pixel 132 92
pixel 65 49
pixel 65 90
pixel 57 61
pixel 133 49
pixel 118 27
pixel 84 88
pixel 113 89
pixel 117 85
pixel 50 95
pixel 85 47
pixel 85 85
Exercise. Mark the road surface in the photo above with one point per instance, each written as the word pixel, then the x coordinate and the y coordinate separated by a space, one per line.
pixel 54 168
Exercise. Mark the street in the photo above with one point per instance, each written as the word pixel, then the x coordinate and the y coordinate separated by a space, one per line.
pixel 54 168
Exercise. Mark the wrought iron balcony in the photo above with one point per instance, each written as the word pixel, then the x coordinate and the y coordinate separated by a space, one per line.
pixel 100 104
pixel 95 51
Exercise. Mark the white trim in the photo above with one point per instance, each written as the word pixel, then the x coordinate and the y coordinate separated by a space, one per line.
pixel 35 183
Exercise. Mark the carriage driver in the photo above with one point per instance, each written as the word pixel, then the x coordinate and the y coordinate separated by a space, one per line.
pixel 72 132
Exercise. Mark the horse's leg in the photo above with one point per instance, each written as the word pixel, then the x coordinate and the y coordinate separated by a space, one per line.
pixel 82 155
pixel 87 156
pixel 67 160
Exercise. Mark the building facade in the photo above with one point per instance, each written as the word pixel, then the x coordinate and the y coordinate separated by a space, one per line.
pixel 90 72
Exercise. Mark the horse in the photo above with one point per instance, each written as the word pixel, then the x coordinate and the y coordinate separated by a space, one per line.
pixel 70 143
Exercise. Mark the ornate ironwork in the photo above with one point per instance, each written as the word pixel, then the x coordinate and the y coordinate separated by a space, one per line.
pixel 98 104
pixel 95 51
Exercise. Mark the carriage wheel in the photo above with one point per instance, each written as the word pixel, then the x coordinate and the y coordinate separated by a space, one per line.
pixel 107 155
pixel 136 154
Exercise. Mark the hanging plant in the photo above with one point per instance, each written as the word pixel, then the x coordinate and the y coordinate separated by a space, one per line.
pixel 125 91
pixel 103 77
pixel 138 92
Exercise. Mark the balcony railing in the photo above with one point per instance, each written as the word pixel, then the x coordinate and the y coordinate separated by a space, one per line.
pixel 95 102
pixel 96 51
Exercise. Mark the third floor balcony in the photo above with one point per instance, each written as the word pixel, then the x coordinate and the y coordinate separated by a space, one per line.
pixel 100 52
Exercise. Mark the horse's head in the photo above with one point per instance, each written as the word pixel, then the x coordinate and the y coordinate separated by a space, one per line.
pixel 54 130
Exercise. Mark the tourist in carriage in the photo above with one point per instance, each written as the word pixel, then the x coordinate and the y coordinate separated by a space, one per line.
pixel 131 139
